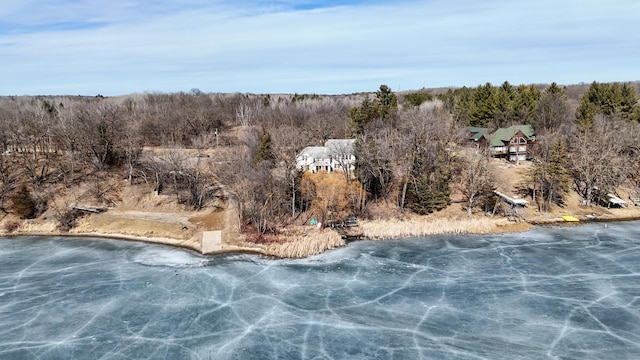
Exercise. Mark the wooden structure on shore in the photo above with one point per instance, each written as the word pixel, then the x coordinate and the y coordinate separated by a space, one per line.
pixel 88 208
pixel 615 201
pixel 350 221
pixel 511 201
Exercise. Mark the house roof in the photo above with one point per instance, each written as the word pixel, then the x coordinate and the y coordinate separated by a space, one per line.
pixel 502 135
pixel 477 132
pixel 332 147
pixel 315 152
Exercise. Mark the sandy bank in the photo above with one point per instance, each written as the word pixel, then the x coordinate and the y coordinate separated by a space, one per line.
pixel 295 242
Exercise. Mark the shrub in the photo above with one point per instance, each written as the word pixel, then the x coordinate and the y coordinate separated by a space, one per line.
pixel 23 204
pixel 67 219
pixel 11 226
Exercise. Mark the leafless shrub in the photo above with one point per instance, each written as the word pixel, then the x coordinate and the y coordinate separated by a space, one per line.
pixel 67 220
pixel 11 226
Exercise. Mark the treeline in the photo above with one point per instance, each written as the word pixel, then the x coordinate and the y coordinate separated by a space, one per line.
pixel 408 148
pixel 158 142
pixel 203 147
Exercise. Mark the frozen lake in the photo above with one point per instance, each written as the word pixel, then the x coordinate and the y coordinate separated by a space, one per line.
pixel 551 293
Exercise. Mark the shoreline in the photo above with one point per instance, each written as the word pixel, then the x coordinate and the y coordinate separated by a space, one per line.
pixel 166 241
pixel 296 245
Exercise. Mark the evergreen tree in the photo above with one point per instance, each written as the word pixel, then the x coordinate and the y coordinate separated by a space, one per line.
pixel 387 104
pixel 384 107
pixel 552 109
pixel 554 89
pixel 504 100
pixel 484 105
pixel 525 103
pixel 417 98
pixel 360 116
pixel 429 188
pixel 549 177
pixel 449 100
pixel 629 108
pixel 558 182
pixel 264 151
pixel 586 113
pixel 462 105
pixel 608 100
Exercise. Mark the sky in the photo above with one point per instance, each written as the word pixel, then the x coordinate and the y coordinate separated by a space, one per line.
pixel 120 47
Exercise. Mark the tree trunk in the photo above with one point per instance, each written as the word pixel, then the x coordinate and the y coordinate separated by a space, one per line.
pixel 404 193
pixel 293 198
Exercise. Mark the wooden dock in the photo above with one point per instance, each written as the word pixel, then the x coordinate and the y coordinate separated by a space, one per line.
pixel 510 200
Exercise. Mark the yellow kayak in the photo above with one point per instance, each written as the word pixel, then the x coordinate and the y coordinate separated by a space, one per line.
pixel 569 218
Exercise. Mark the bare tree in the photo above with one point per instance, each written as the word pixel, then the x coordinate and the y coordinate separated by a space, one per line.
pixel 244 114
pixel 476 180
pixel 8 177
pixel 288 142
pixel 595 166
pixel 375 163
pixel 552 110
pixel 129 145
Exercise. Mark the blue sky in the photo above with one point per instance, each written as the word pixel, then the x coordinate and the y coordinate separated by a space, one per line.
pixel 120 47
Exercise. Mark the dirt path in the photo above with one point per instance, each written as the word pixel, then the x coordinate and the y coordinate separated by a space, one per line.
pixel 171 218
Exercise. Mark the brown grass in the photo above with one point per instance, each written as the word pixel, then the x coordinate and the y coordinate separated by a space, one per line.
pixel 38 227
pixel 310 242
pixel 390 229
pixel 110 224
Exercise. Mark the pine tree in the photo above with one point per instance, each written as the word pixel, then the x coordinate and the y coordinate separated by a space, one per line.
pixel 429 188
pixel 462 105
pixel 549 177
pixel 384 107
pixel 387 104
pixel 558 174
pixel 264 152
pixel 586 113
pixel 504 99
pixel 525 103
pixel 629 108
pixel 484 105
pixel 360 116
pixel 554 89
pixel 552 109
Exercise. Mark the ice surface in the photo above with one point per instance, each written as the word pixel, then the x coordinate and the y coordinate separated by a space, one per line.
pixel 168 257
pixel 552 293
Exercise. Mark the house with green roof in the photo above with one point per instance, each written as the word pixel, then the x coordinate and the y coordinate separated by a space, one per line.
pixel 515 143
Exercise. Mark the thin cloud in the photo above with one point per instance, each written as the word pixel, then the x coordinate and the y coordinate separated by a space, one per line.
pixel 93 46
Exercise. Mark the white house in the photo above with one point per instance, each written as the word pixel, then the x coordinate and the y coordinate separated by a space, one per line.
pixel 336 154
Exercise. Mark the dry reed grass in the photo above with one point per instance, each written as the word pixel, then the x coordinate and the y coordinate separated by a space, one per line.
pixel 311 242
pixel 390 229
